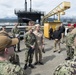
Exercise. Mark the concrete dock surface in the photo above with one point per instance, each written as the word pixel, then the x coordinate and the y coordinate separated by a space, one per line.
pixel 50 59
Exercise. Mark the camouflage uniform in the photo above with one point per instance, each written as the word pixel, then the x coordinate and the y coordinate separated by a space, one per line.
pixel 6 68
pixel 29 40
pixel 68 68
pixel 14 32
pixel 14 59
pixel 69 44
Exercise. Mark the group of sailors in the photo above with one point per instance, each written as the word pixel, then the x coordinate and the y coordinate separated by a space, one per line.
pixel 69 67
pixel 34 44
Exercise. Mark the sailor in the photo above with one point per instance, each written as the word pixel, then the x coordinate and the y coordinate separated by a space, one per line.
pixel 6 50
pixel 14 59
pixel 30 42
pixel 39 45
pixel 16 33
pixel 69 67
pixel 69 43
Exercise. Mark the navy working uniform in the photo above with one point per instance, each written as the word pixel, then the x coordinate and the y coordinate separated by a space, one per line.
pixel 30 42
pixel 16 33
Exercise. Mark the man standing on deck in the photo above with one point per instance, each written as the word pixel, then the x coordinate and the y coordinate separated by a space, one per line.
pixel 16 33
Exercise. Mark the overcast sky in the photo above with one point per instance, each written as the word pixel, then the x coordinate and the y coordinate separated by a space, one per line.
pixel 7 6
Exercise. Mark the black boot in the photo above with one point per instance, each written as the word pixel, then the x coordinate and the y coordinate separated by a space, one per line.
pixel 68 58
pixel 35 63
pixel 25 67
pixel 19 50
pixel 41 63
pixel 30 65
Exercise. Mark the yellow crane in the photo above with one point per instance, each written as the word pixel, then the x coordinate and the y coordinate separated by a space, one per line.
pixel 56 11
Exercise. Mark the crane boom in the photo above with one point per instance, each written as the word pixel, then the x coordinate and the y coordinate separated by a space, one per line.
pixel 57 10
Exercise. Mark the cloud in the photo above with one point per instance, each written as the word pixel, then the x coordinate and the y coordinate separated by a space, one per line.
pixel 7 6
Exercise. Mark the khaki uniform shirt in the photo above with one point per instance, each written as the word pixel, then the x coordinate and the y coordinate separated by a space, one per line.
pixel 39 39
